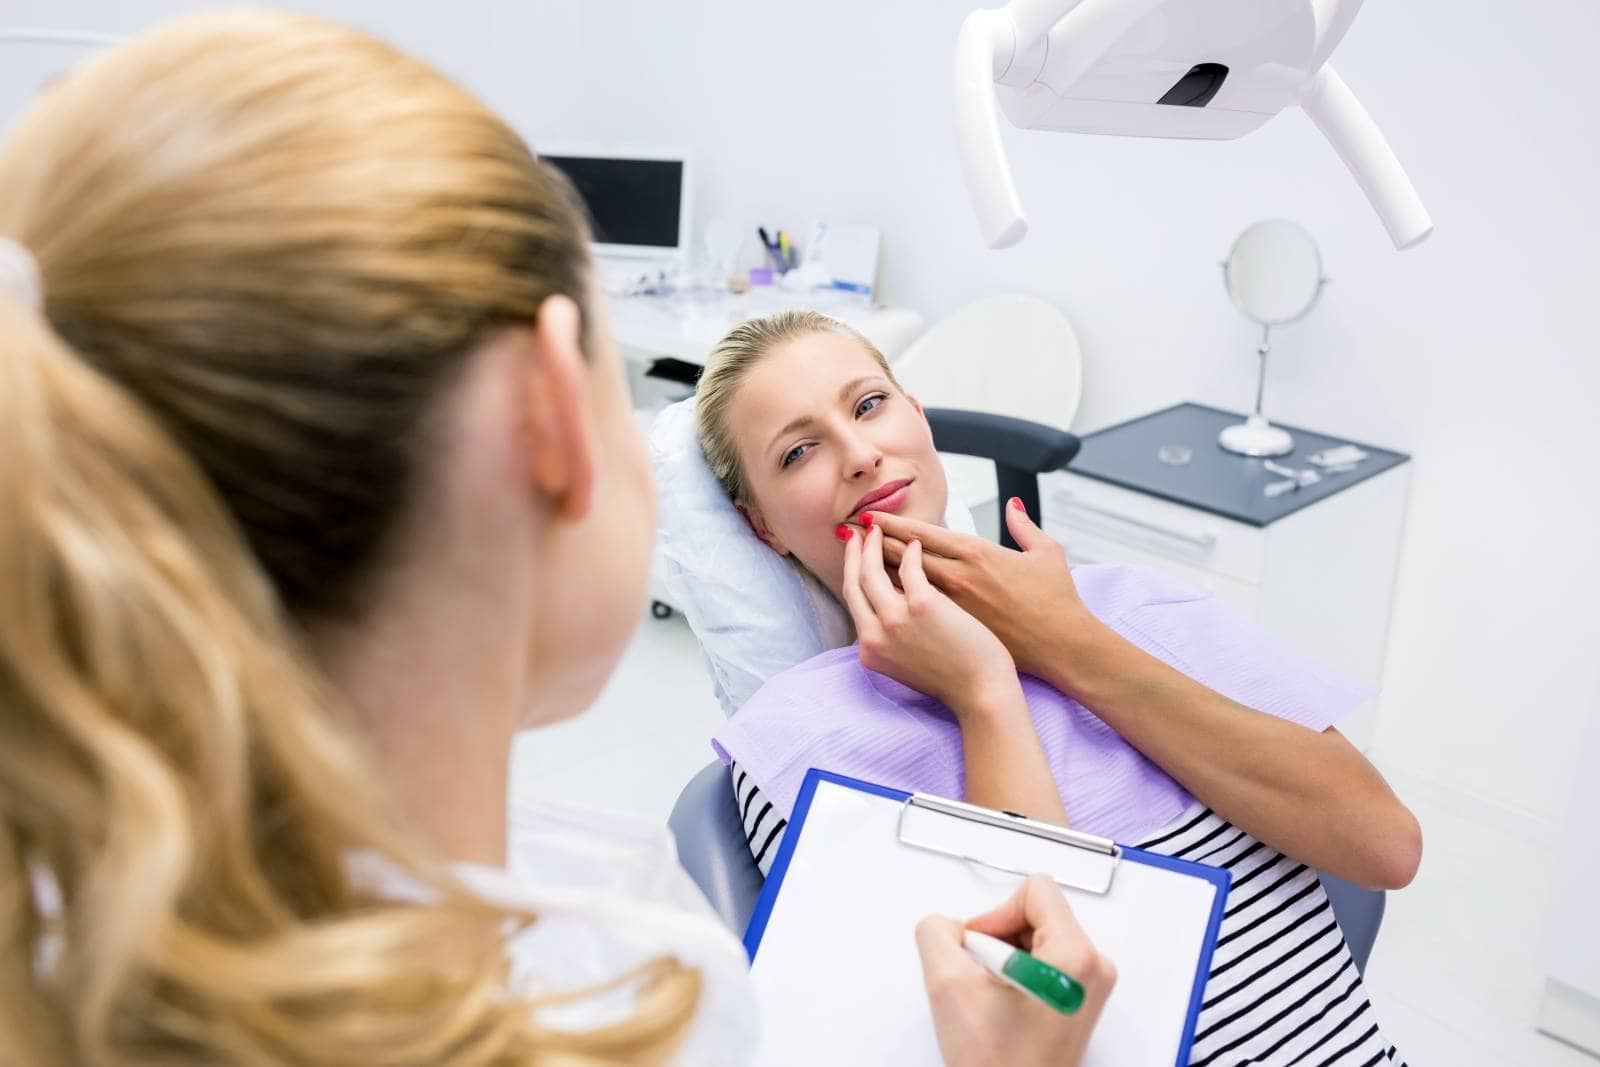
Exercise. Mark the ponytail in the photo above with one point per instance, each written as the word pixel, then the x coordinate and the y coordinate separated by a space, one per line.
pixel 206 437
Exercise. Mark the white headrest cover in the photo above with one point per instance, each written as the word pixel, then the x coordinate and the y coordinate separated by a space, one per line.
pixel 755 612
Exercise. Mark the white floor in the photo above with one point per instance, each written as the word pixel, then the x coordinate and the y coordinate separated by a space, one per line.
pixel 641 742
pixel 1453 976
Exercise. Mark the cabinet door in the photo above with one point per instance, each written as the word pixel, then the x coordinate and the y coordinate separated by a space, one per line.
pixel 1089 546
pixel 1171 531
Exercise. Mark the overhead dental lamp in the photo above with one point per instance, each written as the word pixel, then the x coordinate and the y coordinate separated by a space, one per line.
pixel 1213 69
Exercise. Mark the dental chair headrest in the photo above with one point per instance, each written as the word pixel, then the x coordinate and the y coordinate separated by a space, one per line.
pixel 756 613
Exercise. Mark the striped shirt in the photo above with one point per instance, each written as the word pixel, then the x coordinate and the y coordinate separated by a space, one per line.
pixel 1283 988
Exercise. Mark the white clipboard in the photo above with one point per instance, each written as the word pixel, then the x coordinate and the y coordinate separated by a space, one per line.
pixel 832 948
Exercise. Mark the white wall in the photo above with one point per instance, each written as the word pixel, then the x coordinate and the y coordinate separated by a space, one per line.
pixel 1474 352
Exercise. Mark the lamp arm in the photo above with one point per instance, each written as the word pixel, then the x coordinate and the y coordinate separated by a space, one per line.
pixel 1373 164
pixel 991 42
pixel 987 40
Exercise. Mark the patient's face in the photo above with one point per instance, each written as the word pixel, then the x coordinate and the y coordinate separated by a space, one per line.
pixel 819 429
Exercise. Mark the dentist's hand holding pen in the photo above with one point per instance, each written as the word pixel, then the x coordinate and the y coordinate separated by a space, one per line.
pixel 985 1021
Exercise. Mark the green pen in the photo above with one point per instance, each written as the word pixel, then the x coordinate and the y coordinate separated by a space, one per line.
pixel 1027 972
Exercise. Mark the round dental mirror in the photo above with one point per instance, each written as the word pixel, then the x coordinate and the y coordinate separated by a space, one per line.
pixel 1274 276
pixel 1274 272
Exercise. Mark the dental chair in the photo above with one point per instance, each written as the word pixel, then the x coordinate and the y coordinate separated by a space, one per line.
pixel 714 566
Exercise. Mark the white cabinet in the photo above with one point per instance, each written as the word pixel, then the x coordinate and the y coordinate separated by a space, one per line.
pixel 1321 576
pixel 1570 1009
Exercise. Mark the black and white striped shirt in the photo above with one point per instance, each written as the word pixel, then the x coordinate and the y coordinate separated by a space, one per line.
pixel 1283 990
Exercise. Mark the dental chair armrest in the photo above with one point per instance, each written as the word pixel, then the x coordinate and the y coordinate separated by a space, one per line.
pixel 1359 912
pixel 1021 451
pixel 711 846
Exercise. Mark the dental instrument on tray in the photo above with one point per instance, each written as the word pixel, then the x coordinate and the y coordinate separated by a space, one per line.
pixel 1302 477
pixel 1339 458
pixel 1277 489
pixel 1207 69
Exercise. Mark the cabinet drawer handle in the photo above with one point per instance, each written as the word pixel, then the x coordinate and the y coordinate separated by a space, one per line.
pixel 1205 542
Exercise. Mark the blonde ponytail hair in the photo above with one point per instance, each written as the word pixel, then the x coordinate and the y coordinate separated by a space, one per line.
pixel 266 243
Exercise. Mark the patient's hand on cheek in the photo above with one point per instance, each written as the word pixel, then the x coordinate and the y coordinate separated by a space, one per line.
pixel 920 637
pixel 1027 598
pixel 923 639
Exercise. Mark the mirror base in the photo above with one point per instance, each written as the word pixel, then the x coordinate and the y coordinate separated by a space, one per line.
pixel 1256 437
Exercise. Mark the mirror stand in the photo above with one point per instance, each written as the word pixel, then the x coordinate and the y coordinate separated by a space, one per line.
pixel 1256 436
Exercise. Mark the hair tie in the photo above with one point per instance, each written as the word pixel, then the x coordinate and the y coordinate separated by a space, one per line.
pixel 19 275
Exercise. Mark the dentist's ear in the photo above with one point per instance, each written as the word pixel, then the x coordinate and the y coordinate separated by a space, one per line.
pixel 559 436
pixel 759 528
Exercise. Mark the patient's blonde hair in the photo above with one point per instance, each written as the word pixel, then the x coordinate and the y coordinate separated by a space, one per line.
pixel 739 350
pixel 267 244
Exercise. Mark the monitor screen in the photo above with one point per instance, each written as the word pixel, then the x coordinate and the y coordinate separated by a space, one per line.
pixel 632 202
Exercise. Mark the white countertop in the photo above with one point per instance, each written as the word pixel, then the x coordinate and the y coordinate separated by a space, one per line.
pixel 687 325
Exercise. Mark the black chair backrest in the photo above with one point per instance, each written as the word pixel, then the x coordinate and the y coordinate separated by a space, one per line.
pixel 1021 451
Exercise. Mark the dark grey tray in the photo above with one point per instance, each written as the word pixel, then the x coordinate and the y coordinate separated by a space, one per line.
pixel 1214 480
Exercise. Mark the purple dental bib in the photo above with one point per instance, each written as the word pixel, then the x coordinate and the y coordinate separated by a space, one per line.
pixel 833 713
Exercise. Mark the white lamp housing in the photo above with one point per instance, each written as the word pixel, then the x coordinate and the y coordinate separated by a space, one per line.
pixel 1213 69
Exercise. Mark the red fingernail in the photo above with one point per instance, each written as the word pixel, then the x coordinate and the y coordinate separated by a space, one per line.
pixel 1016 502
pixel 842 532
pixel 866 519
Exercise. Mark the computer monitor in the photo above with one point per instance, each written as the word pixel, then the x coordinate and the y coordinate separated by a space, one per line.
pixel 638 201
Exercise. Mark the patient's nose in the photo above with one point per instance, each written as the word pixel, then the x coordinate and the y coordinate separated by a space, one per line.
pixel 862 459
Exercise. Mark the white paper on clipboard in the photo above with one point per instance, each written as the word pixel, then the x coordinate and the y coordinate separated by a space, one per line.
pixel 837 972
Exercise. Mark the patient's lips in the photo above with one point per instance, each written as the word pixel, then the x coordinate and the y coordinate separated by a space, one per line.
pixel 887 497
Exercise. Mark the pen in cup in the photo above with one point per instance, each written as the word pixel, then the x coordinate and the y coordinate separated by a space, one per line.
pixel 774 256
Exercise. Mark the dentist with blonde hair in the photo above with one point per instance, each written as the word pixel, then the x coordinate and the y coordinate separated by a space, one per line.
pixel 320 481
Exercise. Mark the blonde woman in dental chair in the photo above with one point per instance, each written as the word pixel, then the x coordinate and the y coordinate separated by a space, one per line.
pixel 1110 698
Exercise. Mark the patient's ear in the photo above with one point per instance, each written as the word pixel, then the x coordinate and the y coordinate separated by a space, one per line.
pixel 916 404
pixel 759 528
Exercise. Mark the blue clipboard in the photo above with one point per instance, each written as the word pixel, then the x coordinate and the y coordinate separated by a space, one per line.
pixel 1218 877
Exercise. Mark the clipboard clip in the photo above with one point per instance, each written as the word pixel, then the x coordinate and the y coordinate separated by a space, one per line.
pixel 1027 846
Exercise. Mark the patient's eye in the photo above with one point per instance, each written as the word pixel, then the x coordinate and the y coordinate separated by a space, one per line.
pixel 870 403
pixel 790 456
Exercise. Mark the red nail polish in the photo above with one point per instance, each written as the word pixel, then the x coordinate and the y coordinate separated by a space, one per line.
pixel 866 520
pixel 842 532
pixel 1016 502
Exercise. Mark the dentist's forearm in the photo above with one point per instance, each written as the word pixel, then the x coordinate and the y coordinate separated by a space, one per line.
pixel 1310 795
pixel 1005 765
